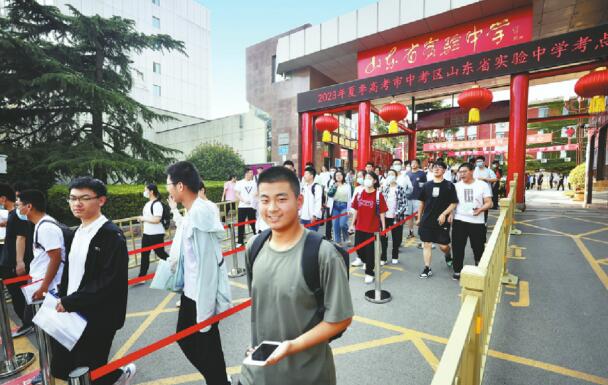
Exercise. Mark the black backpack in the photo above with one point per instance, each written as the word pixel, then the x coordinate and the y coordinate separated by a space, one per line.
pixel 310 266
pixel 68 235
pixel 165 219
pixel 323 195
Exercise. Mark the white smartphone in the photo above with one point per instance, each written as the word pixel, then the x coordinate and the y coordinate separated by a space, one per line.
pixel 261 354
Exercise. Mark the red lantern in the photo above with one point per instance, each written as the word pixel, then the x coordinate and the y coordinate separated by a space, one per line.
pixel 569 132
pixel 475 99
pixel 327 124
pixel 594 85
pixel 393 112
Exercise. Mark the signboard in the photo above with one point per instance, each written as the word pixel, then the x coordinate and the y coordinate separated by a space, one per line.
pixel 460 144
pixel 283 139
pixel 554 51
pixel 493 32
pixel 283 150
pixel 502 150
pixel 558 148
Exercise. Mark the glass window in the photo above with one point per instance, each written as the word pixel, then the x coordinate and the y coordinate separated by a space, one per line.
pixel 155 22
pixel 156 67
pixel 156 90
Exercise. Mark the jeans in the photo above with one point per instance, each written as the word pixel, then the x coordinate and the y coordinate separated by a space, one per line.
pixel 306 222
pixel 340 224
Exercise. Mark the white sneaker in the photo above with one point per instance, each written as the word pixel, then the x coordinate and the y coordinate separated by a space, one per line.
pixel 357 262
pixel 128 372
pixel 395 261
pixel 382 263
pixel 178 303
pixel 369 279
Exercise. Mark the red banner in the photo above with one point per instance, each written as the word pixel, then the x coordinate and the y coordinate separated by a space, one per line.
pixel 486 34
pixel 502 150
pixel 461 144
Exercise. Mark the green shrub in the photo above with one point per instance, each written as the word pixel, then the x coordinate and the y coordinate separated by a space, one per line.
pixel 124 201
pixel 577 177
pixel 217 161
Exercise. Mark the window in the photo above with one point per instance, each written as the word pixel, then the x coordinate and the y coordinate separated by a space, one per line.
pixel 155 22
pixel 275 77
pixel 156 90
pixel 156 2
pixel 156 67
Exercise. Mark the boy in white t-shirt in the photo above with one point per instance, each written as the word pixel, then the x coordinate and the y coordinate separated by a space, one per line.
pixel 246 194
pixel 474 198
pixel 48 242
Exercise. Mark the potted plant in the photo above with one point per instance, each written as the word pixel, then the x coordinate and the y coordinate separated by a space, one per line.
pixel 576 179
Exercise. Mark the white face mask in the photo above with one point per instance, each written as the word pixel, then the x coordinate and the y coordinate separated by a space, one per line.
pixel 479 164
pixel 368 183
pixel 408 169
pixel 397 167
pixel 360 180
pixel 390 178
pixel 146 194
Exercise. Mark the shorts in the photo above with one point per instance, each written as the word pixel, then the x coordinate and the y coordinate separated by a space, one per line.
pixel 414 205
pixel 438 235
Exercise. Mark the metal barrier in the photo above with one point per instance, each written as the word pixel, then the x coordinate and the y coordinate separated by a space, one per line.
pixel 11 363
pixel 44 349
pixel 377 295
pixel 80 376
pixel 463 360
pixel 236 271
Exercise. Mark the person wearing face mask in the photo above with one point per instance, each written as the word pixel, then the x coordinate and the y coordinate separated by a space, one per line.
pixel 369 208
pixel 417 179
pixel 338 201
pixel 153 231
pixel 396 202
pixel 484 174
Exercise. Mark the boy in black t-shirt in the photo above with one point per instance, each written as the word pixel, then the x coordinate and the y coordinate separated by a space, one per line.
pixel 438 199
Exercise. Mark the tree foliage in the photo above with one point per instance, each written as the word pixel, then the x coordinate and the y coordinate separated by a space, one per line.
pixel 64 94
pixel 217 161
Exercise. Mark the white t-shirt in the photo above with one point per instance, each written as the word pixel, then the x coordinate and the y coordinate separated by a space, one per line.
pixel 486 173
pixel 323 179
pixel 3 217
pixel 190 261
pixel 391 202
pixel 79 251
pixel 470 197
pixel 247 190
pixel 49 237
pixel 153 209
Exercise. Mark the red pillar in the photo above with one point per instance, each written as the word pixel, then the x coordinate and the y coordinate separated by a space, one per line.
pixel 364 152
pixel 518 128
pixel 411 146
pixel 307 140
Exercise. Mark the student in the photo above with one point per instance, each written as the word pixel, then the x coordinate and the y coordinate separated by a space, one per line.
pixel 288 164
pixel 562 176
pixel 283 307
pixel 312 207
pixel 396 202
pixel 418 179
pixel 48 243
pixel 437 200
pixel 153 229
pixel 474 197
pixel 94 284
pixel 246 191
pixel 496 185
pixel 369 208
pixel 339 198
pixel 484 174
pixel 16 256
pixel 206 290
pixel 369 167
pixel 229 195
pixel 258 171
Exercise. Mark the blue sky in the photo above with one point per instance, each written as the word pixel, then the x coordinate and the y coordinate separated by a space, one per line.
pixel 238 24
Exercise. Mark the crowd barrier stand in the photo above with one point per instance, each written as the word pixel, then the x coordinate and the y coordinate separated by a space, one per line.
pixel 80 376
pixel 44 350
pixel 236 271
pixel 11 363
pixel 464 357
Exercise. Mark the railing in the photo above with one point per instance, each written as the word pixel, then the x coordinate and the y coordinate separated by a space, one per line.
pixel 463 360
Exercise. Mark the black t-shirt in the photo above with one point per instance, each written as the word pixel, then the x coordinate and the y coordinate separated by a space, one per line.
pixel 436 197
pixel 16 227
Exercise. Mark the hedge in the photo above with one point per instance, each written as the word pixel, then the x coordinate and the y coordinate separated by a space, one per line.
pixel 123 200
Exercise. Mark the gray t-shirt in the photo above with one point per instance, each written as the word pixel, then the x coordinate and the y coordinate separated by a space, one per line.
pixel 284 308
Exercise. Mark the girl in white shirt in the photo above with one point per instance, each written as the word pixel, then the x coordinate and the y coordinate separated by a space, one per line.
pixel 153 229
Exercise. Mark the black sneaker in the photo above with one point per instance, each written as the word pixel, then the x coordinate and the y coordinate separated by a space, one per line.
pixel 456 276
pixel 411 235
pixel 23 330
pixel 448 258
pixel 426 273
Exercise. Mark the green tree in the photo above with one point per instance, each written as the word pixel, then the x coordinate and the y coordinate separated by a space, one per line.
pixel 217 161
pixel 64 85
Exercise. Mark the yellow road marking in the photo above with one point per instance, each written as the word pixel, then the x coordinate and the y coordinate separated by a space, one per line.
pixel 592 232
pixel 510 292
pixel 601 274
pixel 383 276
pixel 588 221
pixel 142 328
pixel 524 295
pixel 370 344
pixel 424 350
pixel 546 234
pixel 394 268
pixel 538 219
pixel 546 229
pixel 603 261
pixel 595 240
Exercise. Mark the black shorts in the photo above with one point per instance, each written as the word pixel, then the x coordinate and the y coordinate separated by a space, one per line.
pixel 439 235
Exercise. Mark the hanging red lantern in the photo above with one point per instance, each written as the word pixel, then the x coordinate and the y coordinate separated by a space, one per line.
pixel 393 113
pixel 475 99
pixel 569 132
pixel 327 124
pixel 594 85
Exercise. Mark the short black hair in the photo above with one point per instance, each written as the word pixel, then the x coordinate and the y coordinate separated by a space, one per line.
pixel 154 188
pixel 369 164
pixel 467 165
pixel 311 170
pixel 247 169
pixel 186 173
pixel 375 177
pixel 7 192
pixel 417 161
pixel 93 184
pixel 338 171
pixel 35 198
pixel 202 187
pixel 397 160
pixel 280 174
pixel 288 163
pixel 440 164
pixel 481 157
pixel 393 170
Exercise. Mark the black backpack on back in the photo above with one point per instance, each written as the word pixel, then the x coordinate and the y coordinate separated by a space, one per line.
pixel 165 219
pixel 68 235
pixel 310 266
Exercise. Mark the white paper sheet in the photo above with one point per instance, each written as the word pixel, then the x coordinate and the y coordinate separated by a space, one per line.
pixel 65 328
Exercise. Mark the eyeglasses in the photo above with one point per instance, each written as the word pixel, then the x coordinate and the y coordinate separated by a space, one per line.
pixel 81 199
